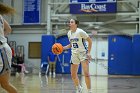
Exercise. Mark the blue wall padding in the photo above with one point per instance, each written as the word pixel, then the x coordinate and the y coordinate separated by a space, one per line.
pixel 120 55
pixel 46 46
pixel 136 55
pixel 64 41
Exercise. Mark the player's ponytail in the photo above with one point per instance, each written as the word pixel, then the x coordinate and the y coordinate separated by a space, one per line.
pixel 4 9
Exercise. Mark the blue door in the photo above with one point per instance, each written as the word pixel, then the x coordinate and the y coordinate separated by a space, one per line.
pixel 120 55
pixel 136 55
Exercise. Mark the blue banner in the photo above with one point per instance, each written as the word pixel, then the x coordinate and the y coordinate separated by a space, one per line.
pixel 91 1
pixel 31 11
pixel 92 8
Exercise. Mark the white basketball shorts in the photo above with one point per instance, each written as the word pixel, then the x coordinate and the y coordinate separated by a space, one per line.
pixel 78 57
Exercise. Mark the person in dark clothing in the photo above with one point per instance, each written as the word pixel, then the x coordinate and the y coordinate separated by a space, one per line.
pixel 20 63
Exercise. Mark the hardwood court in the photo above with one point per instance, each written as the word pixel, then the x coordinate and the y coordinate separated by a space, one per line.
pixel 64 84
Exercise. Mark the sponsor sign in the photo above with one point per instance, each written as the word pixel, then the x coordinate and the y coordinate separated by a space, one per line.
pixel 98 6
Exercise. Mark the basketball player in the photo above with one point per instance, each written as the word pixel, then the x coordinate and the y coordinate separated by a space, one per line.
pixel 5 50
pixel 80 53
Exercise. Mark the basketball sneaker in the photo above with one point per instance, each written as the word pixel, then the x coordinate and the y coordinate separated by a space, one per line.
pixel 50 73
pixel 79 89
pixel 89 91
pixel 26 72
pixel 54 74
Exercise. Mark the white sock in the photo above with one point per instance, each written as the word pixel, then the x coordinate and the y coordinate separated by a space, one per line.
pixel 89 90
pixel 79 86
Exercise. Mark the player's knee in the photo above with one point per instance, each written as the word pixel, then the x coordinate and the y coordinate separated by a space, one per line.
pixel 74 76
pixel 86 74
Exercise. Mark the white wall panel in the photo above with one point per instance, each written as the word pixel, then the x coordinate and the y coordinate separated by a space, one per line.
pixel 99 52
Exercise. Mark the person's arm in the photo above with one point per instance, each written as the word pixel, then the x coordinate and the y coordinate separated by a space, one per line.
pixel 89 44
pixel 67 47
pixel 7 28
pixel 89 47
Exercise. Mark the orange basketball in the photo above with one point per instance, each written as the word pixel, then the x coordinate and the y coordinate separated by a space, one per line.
pixel 57 48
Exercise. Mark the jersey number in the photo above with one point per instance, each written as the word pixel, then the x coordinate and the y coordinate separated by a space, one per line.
pixel 75 45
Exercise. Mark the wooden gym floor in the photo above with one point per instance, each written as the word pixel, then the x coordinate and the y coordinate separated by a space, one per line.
pixel 64 84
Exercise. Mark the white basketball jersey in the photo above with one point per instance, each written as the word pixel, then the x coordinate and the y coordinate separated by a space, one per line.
pixel 77 40
pixel 1 64
pixel 2 37
pixel 5 50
